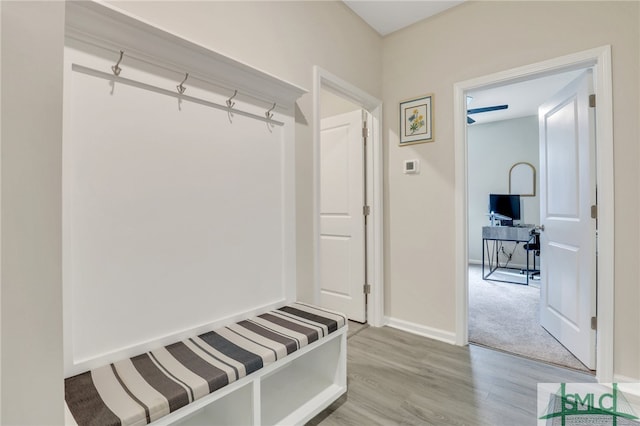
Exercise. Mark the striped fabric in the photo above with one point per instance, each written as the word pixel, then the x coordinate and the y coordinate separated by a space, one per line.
pixel 142 389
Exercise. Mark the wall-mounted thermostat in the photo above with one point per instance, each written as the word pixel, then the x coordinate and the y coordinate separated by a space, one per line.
pixel 411 167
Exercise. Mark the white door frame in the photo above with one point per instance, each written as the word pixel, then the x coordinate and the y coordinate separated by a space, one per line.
pixel 600 59
pixel 375 260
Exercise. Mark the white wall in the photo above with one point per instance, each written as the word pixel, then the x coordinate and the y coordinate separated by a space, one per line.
pixel 420 256
pixel 493 149
pixel 332 104
pixel 285 39
pixel 160 200
pixel 32 54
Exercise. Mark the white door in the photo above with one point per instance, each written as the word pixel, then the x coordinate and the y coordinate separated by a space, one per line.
pixel 568 240
pixel 342 226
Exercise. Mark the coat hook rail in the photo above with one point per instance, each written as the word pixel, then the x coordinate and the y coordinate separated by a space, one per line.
pixel 230 102
pixel 156 89
pixel 116 68
pixel 269 114
pixel 180 87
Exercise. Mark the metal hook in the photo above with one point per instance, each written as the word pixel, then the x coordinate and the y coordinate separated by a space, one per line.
pixel 268 114
pixel 230 102
pixel 116 68
pixel 180 86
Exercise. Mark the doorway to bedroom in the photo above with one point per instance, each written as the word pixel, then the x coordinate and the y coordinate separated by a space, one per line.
pixel 504 270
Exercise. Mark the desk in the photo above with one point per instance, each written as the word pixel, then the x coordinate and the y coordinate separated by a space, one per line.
pixel 518 234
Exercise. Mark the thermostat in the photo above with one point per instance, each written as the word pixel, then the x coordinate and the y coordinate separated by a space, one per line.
pixel 411 167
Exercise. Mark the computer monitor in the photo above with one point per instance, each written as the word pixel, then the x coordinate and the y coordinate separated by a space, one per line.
pixel 505 204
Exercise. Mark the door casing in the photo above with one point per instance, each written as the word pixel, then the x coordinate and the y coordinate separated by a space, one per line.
pixel 600 60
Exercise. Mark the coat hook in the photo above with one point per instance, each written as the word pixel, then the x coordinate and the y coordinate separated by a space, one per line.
pixel 269 114
pixel 116 68
pixel 230 102
pixel 180 87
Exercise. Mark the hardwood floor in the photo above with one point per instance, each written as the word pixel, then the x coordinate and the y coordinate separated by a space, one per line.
pixel 398 378
pixel 355 328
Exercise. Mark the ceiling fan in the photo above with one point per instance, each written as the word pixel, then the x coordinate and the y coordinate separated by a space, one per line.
pixel 483 109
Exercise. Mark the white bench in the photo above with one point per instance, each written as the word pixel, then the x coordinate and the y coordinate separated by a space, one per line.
pixel 282 367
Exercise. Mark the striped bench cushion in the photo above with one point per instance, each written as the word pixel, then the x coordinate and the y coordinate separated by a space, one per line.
pixel 139 390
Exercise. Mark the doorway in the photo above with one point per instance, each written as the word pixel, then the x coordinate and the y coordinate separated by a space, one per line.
pixel 343 217
pixel 600 60
pixel 504 166
pixel 343 93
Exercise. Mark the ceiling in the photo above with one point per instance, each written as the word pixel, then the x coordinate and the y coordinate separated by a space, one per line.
pixel 524 98
pixel 387 16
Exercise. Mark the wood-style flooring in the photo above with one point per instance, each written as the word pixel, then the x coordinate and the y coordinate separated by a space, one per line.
pixel 396 378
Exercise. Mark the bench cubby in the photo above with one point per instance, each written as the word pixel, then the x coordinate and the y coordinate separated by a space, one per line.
pixel 292 393
pixel 234 408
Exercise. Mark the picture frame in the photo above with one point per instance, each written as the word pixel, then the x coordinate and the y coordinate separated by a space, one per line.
pixel 416 120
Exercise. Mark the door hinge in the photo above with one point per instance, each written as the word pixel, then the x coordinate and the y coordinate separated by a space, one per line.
pixel 367 289
pixel 366 210
pixel 365 132
pixel 592 101
pixel 594 323
pixel 594 211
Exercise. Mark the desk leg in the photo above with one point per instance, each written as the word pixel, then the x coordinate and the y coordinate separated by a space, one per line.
pixel 527 271
pixel 483 255
pixel 490 256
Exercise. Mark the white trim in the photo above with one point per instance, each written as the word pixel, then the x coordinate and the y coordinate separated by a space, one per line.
pixel 619 378
pixel 421 330
pixel 461 243
pixel 0 213
pixel 600 59
pixel 628 385
pixel 322 78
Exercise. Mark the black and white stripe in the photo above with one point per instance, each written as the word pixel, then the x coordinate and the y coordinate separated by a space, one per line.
pixel 144 388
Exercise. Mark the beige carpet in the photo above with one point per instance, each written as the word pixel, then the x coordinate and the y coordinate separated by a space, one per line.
pixel 505 316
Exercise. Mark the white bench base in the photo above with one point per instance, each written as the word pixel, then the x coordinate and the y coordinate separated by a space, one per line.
pixel 290 391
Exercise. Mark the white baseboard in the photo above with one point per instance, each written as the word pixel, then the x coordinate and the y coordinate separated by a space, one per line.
pixel 619 378
pixel 421 330
pixel 629 386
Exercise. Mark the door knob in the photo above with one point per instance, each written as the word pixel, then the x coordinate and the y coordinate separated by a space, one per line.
pixel 540 228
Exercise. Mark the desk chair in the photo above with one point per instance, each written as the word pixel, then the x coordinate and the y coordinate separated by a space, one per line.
pixel 535 247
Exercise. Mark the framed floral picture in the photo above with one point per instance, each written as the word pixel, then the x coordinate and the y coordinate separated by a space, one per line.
pixel 416 120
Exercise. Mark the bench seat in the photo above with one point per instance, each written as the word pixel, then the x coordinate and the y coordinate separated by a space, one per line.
pixel 142 389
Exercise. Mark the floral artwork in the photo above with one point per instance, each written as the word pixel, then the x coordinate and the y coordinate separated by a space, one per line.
pixel 416 120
